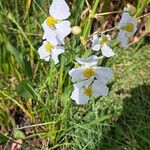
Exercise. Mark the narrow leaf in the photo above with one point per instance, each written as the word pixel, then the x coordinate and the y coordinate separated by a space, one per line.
pixel 25 89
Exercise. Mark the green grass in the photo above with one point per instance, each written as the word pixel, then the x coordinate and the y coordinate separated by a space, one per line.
pixel 117 122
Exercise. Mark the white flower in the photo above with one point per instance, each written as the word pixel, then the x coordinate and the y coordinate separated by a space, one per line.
pixel 89 69
pixel 84 90
pixel 59 9
pixel 90 80
pixel 47 51
pixel 101 43
pixel 56 28
pixel 127 27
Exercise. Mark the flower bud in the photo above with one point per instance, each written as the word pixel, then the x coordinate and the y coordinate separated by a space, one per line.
pixel 76 30
pixel 132 11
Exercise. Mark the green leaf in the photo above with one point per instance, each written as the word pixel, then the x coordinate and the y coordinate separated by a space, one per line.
pixel 28 69
pixel 3 138
pixel 18 134
pixel 16 53
pixel 26 65
pixel 25 89
pixel 5 67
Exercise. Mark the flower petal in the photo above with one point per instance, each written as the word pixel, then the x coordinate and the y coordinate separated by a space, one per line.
pixel 78 93
pixel 56 52
pixel 99 89
pixel 124 19
pixel 123 39
pixel 104 74
pixel 59 9
pixel 63 29
pixel 51 36
pixel 85 82
pixel 90 61
pixel 107 51
pixel 126 9
pixel 44 26
pixel 95 43
pixel 43 53
pixel 55 58
pixel 95 37
pixel 95 47
pixel 77 74
pixel 78 96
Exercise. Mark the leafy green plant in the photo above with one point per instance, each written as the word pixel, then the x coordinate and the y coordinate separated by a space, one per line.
pixel 41 91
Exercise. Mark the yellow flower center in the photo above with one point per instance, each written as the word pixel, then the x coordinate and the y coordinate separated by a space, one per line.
pixel 50 21
pixel 129 27
pixel 88 72
pixel 88 91
pixel 48 47
pixel 104 39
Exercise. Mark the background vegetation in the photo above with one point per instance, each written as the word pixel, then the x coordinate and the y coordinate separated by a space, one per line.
pixel 39 113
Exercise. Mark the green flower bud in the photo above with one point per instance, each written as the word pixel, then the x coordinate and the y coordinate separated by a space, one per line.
pixel 132 11
pixel 76 30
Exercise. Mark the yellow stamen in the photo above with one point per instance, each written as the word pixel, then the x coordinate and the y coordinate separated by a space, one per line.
pixel 48 47
pixel 50 21
pixel 88 72
pixel 88 91
pixel 129 27
pixel 104 39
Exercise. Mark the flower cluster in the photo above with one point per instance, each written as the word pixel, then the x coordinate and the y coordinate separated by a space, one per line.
pixel 56 28
pixel 90 80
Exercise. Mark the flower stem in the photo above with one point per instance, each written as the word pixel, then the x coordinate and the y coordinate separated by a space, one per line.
pixel 88 25
pixel 145 15
pixel 60 84
pixel 106 13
